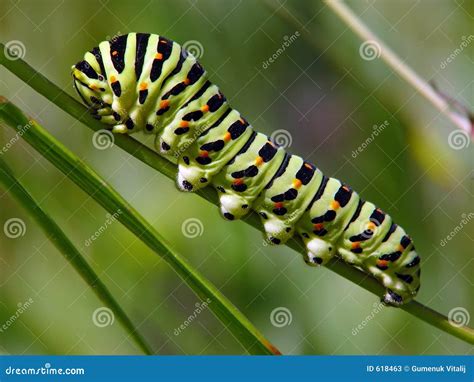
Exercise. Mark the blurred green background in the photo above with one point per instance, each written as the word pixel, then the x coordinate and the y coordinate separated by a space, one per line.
pixel 327 97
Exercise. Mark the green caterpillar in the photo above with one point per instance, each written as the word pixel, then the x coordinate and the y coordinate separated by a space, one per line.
pixel 145 82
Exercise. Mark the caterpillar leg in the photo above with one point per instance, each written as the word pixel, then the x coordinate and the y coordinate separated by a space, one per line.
pixel 287 197
pixel 319 252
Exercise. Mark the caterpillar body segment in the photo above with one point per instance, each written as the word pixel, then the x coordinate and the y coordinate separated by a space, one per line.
pixel 145 82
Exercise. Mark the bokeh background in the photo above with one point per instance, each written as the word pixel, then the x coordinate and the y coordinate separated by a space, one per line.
pixel 327 96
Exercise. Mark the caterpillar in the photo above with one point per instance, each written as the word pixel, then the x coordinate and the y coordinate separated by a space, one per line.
pixel 142 82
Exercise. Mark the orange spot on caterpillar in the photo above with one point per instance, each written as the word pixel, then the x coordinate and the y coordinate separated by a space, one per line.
pixel 205 108
pixel 93 87
pixel 258 160
pixel 335 205
pixel 113 79
pixel 345 188
pixel 164 104
pixel 400 248
pixel 278 204
pixel 186 81
pixel 297 183
pixel 184 124
pixel 114 53
pixel 382 263
pixel 158 56
pixel 143 86
pixel 238 181
pixel 318 226
pixel 242 120
pixel 227 137
pixel 307 165
pixel 355 245
pixel 371 226
pixel 204 154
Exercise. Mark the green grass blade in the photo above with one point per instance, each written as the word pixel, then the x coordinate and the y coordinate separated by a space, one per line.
pixel 105 195
pixel 64 101
pixel 70 252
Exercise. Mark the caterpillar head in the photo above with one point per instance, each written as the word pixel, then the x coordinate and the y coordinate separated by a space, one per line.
pixel 91 85
pixel 95 91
